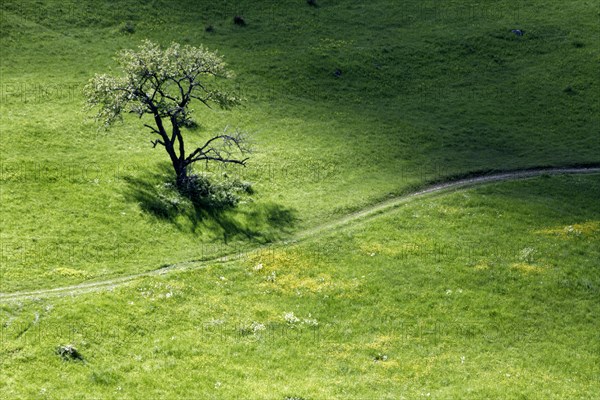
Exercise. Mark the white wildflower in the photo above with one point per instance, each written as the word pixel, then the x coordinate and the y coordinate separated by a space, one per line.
pixel 310 321
pixel 257 327
pixel 527 254
pixel 290 318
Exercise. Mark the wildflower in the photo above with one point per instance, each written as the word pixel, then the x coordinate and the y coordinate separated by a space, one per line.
pixel 310 321
pixel 527 254
pixel 290 318
pixel 257 327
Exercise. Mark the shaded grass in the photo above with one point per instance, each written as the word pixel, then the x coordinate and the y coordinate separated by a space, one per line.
pixel 420 97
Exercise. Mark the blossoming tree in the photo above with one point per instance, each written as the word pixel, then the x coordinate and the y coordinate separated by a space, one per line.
pixel 163 84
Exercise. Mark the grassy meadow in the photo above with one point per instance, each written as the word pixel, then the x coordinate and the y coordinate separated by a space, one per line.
pixel 420 302
pixel 489 292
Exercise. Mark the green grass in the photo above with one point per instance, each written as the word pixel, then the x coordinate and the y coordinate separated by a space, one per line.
pixel 422 95
pixel 483 293
pixel 503 275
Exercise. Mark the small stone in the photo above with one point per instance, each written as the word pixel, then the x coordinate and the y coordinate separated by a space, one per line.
pixel 239 20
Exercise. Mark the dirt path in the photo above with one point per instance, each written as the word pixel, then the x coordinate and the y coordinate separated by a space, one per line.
pixel 312 232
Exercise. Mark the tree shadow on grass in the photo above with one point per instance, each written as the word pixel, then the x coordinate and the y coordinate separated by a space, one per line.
pixel 261 222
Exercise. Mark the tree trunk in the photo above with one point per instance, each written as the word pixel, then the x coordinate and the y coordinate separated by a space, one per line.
pixel 181 173
pixel 179 165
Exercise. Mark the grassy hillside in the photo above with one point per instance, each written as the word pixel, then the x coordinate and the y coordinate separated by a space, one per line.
pixel 425 91
pixel 485 293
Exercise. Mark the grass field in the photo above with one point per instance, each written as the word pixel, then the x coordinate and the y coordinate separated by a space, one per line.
pixel 490 292
pixel 422 300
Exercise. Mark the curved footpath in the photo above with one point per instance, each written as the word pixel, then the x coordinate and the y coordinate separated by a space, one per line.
pixel 375 209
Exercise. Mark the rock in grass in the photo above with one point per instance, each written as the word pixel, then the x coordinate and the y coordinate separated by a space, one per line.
pixel 128 27
pixel 312 3
pixel 239 20
pixel 518 32
pixel 69 353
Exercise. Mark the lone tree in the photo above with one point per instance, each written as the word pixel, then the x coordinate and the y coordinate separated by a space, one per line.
pixel 164 83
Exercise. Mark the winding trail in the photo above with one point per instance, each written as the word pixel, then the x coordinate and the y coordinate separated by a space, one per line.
pixel 363 214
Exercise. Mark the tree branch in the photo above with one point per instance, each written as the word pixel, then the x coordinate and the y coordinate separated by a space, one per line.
pixel 201 149
pixel 223 160
pixel 155 142
pixel 152 128
pixel 204 101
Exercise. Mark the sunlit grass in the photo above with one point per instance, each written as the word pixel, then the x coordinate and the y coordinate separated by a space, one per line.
pixel 419 98
pixel 508 314
pixel 490 292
